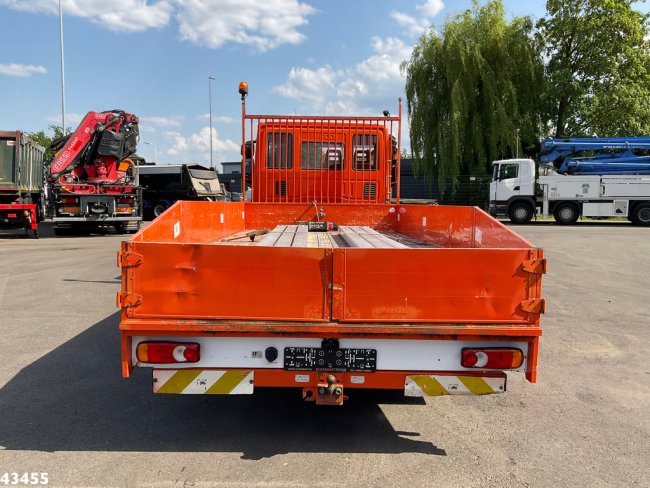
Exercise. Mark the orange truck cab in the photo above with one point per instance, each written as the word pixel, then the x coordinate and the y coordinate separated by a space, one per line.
pixel 325 282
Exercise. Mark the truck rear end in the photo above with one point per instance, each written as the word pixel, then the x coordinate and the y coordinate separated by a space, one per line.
pixel 226 298
pixel 21 182
pixel 92 182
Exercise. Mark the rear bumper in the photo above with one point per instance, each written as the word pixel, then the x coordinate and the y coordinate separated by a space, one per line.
pixel 97 219
pixel 244 381
pixel 21 215
pixel 414 349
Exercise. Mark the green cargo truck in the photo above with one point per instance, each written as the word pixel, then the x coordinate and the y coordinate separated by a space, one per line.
pixel 21 181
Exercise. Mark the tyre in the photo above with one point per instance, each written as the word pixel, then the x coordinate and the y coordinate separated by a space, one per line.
pixel 641 214
pixel 158 208
pixel 120 227
pixel 40 214
pixel 520 212
pixel 566 213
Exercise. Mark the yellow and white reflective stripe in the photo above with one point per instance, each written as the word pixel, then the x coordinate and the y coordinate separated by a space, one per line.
pixel 203 382
pixel 436 385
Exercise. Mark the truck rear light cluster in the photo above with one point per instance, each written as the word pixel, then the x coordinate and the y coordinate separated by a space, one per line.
pixel 161 352
pixel 69 200
pixel 70 210
pixel 492 358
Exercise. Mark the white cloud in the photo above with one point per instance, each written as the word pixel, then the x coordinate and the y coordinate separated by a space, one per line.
pixel 223 119
pixel 21 69
pixel 354 90
pixel 260 24
pixel 116 15
pixel 219 119
pixel 196 147
pixel 430 8
pixel 160 121
pixel 177 143
pixel 309 84
pixel 72 120
pixel 416 25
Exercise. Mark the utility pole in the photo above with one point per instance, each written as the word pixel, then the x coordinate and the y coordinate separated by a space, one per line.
pixel 210 78
pixel 517 150
pixel 155 156
pixel 62 69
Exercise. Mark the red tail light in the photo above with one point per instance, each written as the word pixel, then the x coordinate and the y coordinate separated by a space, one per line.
pixel 168 352
pixel 492 358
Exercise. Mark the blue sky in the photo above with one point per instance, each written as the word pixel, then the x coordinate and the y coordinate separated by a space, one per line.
pixel 153 58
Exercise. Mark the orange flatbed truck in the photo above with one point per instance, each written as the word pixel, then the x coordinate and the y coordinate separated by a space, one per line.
pixel 328 290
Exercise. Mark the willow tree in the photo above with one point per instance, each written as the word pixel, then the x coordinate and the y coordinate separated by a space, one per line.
pixel 472 91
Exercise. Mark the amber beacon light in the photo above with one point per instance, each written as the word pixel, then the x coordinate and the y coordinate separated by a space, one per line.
pixel 243 89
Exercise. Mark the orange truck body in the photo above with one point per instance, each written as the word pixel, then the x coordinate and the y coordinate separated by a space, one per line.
pixel 182 279
pixel 394 296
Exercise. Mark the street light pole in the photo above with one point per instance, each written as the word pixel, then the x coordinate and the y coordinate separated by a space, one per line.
pixel 62 69
pixel 155 157
pixel 210 78
pixel 517 149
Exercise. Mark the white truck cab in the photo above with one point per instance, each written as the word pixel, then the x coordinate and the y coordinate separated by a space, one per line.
pixel 512 190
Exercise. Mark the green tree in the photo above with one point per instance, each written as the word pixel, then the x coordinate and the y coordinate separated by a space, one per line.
pixel 598 68
pixel 45 139
pixel 469 88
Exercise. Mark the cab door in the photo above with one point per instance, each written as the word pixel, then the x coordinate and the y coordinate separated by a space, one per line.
pixel 508 181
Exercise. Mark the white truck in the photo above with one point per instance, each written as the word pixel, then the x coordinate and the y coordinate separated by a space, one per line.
pixel 613 180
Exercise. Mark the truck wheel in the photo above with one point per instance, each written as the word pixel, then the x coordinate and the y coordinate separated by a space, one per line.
pixel 520 213
pixel 120 228
pixel 641 214
pixel 566 214
pixel 158 208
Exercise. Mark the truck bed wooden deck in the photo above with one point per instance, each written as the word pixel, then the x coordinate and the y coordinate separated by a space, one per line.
pixel 359 236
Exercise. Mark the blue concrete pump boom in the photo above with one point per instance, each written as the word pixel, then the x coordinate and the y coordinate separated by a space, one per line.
pixel 611 155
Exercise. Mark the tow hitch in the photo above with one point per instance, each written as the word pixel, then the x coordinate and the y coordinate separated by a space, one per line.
pixel 328 391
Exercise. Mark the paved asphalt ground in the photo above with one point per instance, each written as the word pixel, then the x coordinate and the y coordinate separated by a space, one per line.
pixel 65 410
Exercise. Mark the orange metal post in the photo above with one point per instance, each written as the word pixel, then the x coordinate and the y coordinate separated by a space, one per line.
pixel 243 156
pixel 399 154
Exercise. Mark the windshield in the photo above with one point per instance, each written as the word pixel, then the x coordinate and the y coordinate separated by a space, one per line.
pixel 495 172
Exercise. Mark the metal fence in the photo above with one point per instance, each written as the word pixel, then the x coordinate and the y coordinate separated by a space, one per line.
pixel 469 189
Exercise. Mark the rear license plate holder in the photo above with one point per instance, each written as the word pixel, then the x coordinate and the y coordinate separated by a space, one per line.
pixel 326 359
